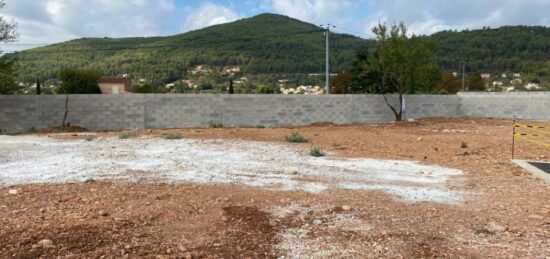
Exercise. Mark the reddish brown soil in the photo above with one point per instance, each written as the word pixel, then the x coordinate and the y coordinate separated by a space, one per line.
pixel 506 213
pixel 68 129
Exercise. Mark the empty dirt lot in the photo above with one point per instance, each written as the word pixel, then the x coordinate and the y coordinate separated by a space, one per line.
pixel 237 193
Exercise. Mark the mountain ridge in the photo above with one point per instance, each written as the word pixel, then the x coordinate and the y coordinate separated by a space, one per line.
pixel 277 44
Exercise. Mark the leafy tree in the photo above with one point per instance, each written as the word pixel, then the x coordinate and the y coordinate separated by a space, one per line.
pixel 8 84
pixel 448 84
pixel 476 83
pixel 341 83
pixel 75 81
pixel 268 89
pixel 8 34
pixel 149 89
pixel 425 80
pixel 397 58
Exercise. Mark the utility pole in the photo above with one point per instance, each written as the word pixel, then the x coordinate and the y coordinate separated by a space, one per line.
pixel 463 76
pixel 327 82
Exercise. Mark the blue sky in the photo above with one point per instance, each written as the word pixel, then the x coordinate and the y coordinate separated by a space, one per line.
pixel 50 21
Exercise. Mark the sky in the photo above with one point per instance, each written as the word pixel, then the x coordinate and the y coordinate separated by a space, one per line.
pixel 51 21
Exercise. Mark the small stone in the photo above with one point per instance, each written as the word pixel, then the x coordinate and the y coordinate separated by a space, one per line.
pixel 535 216
pixel 103 213
pixel 12 192
pixel 346 208
pixel 182 248
pixel 494 227
pixel 46 243
pixel 419 139
pixel 42 210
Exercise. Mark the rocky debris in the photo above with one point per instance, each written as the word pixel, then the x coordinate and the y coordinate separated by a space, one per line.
pixel 12 191
pixel 44 243
pixel 346 208
pixel 495 227
pixel 506 213
pixel 103 213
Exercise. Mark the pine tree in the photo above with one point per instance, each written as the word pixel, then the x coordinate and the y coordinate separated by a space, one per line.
pixel 231 89
pixel 38 89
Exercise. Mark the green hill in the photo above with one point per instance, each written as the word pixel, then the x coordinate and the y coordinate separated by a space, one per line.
pixel 265 43
pixel 523 49
pixel 275 44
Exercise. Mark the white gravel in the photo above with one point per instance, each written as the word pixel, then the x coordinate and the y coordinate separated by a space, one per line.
pixel 30 159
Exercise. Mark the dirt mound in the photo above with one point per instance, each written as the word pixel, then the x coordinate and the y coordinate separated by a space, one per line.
pixel 69 129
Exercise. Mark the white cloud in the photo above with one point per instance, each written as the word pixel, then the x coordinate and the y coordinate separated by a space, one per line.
pixel 321 11
pixel 49 21
pixel 208 14
pixel 430 16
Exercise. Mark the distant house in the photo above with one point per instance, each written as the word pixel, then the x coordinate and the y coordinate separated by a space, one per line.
pixel 115 85
pixel 516 81
pixel 485 76
pixel 498 83
pixel 533 86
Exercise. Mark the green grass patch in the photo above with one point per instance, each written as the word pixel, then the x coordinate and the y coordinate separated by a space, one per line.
pixel 296 138
pixel 315 152
pixel 173 136
pixel 89 138
pixel 127 135
pixel 215 125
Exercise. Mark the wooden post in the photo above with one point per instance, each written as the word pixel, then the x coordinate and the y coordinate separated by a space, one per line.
pixel 513 136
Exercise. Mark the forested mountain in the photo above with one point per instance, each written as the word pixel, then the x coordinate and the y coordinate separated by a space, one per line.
pixel 275 44
pixel 265 43
pixel 507 49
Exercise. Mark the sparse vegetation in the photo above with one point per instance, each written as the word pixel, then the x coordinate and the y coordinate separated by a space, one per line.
pixel 316 152
pixel 260 126
pixel 296 138
pixel 215 125
pixel 127 135
pixel 339 147
pixel 89 138
pixel 464 145
pixel 173 136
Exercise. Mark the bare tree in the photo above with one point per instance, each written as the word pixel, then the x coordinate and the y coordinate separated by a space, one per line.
pixel 7 28
pixel 7 66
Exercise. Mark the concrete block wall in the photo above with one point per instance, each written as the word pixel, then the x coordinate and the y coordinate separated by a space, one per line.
pixel 17 113
pixel 524 105
pixel 103 112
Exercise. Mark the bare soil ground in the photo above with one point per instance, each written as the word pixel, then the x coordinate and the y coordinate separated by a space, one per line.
pixel 506 214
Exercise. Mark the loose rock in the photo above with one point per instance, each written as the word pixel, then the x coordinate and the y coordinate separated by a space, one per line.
pixel 46 243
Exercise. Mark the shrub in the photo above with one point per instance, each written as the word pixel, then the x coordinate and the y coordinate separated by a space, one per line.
pixel 464 145
pixel 127 135
pixel 90 138
pixel 214 125
pixel 260 126
pixel 173 136
pixel 315 152
pixel 296 138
